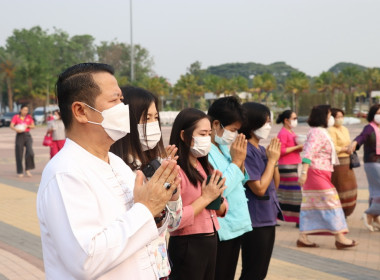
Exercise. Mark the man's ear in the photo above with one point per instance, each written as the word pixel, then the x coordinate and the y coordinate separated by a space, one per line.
pixel 79 112
pixel 182 135
pixel 215 124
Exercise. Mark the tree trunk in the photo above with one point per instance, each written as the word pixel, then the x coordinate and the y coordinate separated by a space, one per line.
pixel 10 94
pixel 369 99
pixel 332 98
pixel 296 103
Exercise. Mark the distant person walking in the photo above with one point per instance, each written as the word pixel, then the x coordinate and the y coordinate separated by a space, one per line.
pixel 370 139
pixel 343 178
pixel 289 192
pixel 57 128
pixel 22 123
pixel 321 211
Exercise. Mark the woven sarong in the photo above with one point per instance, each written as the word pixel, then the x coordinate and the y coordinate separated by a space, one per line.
pixel 289 193
pixel 343 178
pixel 321 211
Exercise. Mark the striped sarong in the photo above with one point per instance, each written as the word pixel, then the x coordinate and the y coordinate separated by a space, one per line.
pixel 321 211
pixel 289 192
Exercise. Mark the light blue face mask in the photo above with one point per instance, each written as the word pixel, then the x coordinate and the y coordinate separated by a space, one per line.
pixel 227 138
pixel 115 120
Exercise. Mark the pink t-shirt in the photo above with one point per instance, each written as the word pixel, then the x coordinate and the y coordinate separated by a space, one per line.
pixel 288 139
pixel 27 120
pixel 206 220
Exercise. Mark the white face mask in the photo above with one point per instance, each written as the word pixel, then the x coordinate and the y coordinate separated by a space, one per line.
pixel 115 121
pixel 202 146
pixel 331 121
pixel 227 138
pixel 153 135
pixel 263 132
pixel 377 118
pixel 293 123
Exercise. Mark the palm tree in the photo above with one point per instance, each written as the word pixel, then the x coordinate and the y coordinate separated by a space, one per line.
pixel 9 64
pixel 328 82
pixel 235 85
pixel 296 84
pixel 264 83
pixel 351 80
pixel 371 81
pixel 187 88
pixel 215 84
pixel 157 85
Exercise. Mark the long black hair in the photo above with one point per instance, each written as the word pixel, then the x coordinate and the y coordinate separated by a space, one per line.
pixel 186 121
pixel 129 147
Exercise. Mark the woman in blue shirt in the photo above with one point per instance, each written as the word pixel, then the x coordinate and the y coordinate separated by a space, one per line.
pixel 227 154
pixel 264 178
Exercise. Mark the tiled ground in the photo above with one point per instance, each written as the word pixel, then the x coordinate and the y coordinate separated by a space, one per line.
pixel 20 246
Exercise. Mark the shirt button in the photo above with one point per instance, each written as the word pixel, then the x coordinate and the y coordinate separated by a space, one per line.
pixel 212 216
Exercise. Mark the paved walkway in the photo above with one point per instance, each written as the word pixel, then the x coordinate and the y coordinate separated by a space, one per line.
pixel 20 245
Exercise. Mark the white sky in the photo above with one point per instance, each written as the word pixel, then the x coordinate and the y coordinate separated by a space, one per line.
pixel 311 35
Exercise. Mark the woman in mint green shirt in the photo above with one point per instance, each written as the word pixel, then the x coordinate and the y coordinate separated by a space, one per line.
pixel 227 154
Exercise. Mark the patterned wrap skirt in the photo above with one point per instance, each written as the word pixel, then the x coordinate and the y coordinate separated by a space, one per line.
pixel 289 192
pixel 321 211
pixel 344 180
pixel 372 169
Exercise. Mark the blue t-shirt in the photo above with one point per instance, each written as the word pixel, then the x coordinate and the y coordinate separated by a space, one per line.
pixel 263 210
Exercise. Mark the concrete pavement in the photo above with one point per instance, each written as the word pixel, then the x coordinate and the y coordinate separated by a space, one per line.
pixel 20 245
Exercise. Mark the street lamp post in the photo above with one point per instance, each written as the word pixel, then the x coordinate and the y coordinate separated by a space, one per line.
pixel 132 51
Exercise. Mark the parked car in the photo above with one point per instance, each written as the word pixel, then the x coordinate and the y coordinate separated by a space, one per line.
pixel 6 118
pixel 39 113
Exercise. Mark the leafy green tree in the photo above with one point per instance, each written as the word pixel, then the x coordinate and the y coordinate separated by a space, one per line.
pixel 9 64
pixel 119 56
pixel 34 46
pixel 296 84
pixel 187 89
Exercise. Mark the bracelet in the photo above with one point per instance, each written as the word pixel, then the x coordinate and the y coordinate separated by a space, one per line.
pixel 162 216
pixel 303 172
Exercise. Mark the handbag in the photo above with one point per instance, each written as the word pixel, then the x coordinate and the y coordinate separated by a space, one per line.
pixel 48 140
pixel 354 160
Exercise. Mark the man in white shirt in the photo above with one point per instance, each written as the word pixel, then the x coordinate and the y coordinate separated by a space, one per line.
pixel 97 217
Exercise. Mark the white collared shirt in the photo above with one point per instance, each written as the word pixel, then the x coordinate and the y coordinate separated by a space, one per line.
pixel 90 226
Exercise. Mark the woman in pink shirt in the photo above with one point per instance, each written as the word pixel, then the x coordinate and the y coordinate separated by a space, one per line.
pixel 321 211
pixel 22 123
pixel 289 192
pixel 193 246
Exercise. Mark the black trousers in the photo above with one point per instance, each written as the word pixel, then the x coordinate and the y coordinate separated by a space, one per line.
pixel 227 258
pixel 193 257
pixel 24 139
pixel 257 247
